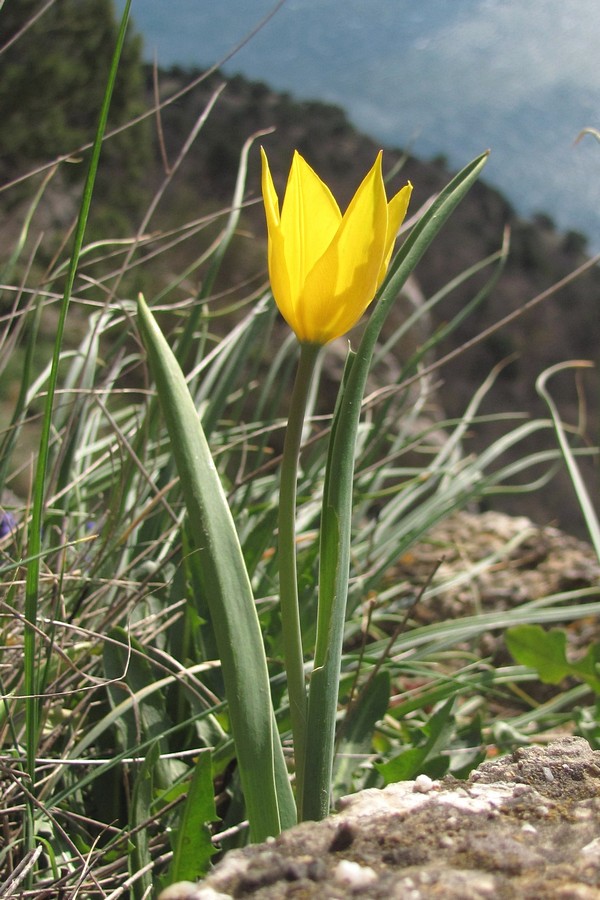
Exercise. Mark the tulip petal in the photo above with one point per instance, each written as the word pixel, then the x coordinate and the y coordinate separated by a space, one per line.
pixel 269 193
pixel 310 218
pixel 278 274
pixel 325 268
pixel 396 212
pixel 343 282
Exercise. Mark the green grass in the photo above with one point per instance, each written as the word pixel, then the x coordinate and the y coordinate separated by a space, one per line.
pixel 117 762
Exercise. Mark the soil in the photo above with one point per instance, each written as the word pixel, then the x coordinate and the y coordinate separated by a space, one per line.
pixel 523 826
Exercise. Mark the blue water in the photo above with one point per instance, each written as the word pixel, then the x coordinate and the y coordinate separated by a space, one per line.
pixel 450 77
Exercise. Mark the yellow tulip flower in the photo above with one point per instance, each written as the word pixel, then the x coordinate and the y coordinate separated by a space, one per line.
pixel 325 268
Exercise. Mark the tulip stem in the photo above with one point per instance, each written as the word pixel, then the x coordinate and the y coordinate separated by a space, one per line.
pixel 288 573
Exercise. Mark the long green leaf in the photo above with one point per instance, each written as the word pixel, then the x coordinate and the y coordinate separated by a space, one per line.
pixel 590 515
pixel 31 672
pixel 337 504
pixel 141 813
pixel 227 590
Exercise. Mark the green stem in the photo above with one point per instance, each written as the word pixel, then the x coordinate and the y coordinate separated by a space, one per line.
pixel 288 575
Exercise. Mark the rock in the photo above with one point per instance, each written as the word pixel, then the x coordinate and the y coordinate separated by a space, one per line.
pixel 523 826
pixel 493 562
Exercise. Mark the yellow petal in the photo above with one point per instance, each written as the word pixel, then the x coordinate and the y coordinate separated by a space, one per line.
pixel 269 193
pixel 278 274
pixel 310 218
pixel 324 268
pixel 396 212
pixel 343 282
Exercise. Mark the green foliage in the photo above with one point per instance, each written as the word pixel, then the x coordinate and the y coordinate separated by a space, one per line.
pixel 546 652
pixel 132 738
pixel 128 673
pixel 124 624
pixel 191 838
pixel 355 736
pixel 437 748
pixel 417 759
pixel 225 587
pixel 336 520
pixel 141 815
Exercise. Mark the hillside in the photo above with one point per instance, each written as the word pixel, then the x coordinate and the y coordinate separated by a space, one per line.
pixel 565 326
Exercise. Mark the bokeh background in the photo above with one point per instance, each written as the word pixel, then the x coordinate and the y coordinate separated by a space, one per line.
pixel 449 77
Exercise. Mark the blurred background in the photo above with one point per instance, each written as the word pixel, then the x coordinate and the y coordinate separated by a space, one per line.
pixel 450 77
pixel 434 82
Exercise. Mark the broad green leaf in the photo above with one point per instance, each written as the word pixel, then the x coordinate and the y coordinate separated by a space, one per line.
pixel 425 758
pixel 226 590
pixel 402 767
pixel 546 652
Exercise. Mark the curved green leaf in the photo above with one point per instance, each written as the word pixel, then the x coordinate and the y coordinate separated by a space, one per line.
pixel 337 503
pixel 227 591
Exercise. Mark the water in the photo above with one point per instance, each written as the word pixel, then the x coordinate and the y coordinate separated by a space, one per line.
pixel 451 77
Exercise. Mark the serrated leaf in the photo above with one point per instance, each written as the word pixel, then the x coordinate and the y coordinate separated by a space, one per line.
pixel 191 840
pixel 546 652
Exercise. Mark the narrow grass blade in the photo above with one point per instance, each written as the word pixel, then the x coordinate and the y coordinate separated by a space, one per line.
pixel 589 513
pixel 185 342
pixel 140 860
pixel 32 687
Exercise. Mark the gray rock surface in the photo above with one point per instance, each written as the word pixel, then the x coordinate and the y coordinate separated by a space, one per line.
pixel 524 826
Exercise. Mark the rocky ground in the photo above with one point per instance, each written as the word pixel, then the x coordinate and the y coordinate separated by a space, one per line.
pixel 524 826
pixel 494 562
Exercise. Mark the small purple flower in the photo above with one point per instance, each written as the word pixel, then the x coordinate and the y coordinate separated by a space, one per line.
pixel 7 523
